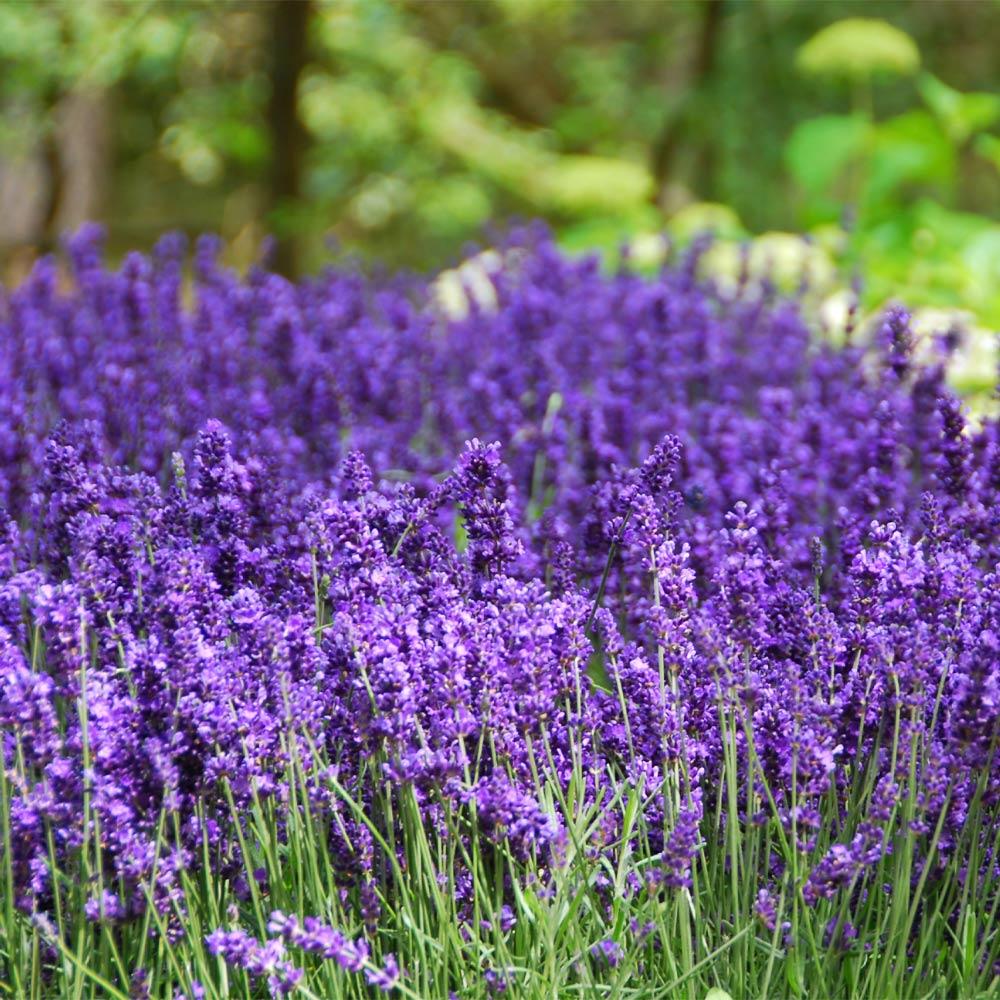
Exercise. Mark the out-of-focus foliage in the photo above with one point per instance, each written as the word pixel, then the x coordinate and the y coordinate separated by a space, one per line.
pixel 902 173
pixel 858 48
pixel 871 126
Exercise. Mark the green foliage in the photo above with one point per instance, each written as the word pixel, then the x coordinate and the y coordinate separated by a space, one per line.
pixel 902 174
pixel 821 149
pixel 962 115
pixel 857 48
pixel 703 942
pixel 422 122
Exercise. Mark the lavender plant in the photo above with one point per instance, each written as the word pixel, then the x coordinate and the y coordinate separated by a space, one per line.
pixel 688 680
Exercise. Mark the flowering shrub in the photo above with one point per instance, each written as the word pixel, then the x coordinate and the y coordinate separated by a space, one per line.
pixel 692 677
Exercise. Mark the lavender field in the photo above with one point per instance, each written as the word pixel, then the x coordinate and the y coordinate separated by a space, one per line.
pixel 621 637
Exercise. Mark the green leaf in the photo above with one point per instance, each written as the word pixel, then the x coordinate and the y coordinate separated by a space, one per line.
pixel 705 217
pixel 970 949
pixel 579 184
pixel 607 234
pixel 952 228
pixel 820 149
pixel 911 148
pixel 461 535
pixel 988 147
pixel 981 258
pixel 962 115
pixel 793 974
pixel 859 47
pixel 716 994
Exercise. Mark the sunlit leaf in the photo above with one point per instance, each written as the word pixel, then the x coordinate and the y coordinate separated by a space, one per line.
pixel 962 114
pixel 859 47
pixel 911 148
pixel 705 217
pixel 988 146
pixel 821 148
pixel 575 184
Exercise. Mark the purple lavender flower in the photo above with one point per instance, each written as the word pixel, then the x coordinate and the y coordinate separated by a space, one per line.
pixel 386 977
pixel 260 960
pixel 698 540
pixel 608 951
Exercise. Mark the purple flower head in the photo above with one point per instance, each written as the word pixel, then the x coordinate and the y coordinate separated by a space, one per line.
pixel 608 951
pixel 765 909
pixel 699 541
pixel 385 978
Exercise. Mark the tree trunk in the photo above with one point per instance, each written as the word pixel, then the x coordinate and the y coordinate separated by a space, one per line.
pixel 288 31
pixel 687 126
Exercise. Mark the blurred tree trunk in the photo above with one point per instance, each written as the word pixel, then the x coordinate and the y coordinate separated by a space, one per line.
pixel 84 150
pixel 692 125
pixel 61 182
pixel 288 33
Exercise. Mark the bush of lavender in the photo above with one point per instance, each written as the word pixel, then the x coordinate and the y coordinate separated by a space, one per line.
pixel 616 638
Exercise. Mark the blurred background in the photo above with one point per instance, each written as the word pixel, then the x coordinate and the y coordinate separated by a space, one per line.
pixel 396 130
